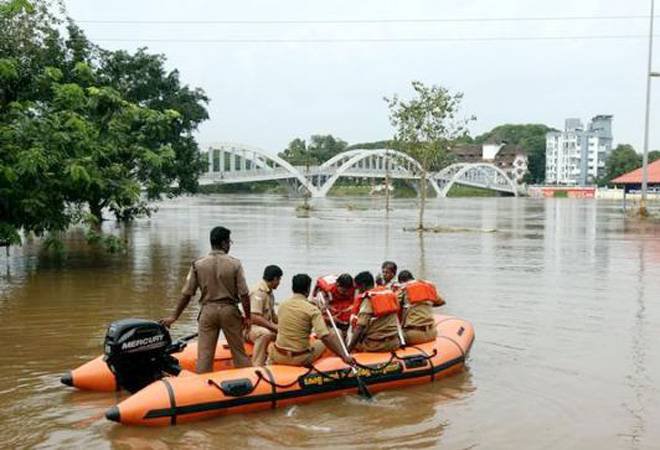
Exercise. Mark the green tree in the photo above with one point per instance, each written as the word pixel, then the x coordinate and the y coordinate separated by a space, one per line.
pixel 621 160
pixel 78 134
pixel 654 155
pixel 530 137
pixel 320 149
pixel 425 126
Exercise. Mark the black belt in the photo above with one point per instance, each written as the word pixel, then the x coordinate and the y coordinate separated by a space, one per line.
pixel 224 300
pixel 419 327
pixel 291 353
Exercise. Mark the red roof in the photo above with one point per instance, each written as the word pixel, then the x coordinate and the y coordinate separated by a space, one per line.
pixel 635 177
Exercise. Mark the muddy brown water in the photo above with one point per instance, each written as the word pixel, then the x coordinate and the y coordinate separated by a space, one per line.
pixel 564 296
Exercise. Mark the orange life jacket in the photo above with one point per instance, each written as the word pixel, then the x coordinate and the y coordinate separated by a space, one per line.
pixel 326 283
pixel 383 301
pixel 341 305
pixel 419 291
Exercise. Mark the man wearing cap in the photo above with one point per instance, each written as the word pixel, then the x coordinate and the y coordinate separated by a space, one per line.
pixel 221 280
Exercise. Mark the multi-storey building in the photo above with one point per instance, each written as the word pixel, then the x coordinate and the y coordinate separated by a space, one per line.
pixel 578 155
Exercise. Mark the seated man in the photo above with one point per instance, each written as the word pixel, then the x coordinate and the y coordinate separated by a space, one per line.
pixel 338 293
pixel 418 297
pixel 298 317
pixel 376 326
pixel 386 277
pixel 262 308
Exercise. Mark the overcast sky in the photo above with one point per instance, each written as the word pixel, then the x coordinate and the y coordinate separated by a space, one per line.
pixel 267 93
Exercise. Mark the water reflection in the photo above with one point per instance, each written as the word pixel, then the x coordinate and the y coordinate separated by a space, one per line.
pixel 559 296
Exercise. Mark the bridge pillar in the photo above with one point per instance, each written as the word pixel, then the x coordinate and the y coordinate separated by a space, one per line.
pixel 221 160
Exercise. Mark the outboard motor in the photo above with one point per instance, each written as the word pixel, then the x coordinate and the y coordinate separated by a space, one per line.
pixel 138 351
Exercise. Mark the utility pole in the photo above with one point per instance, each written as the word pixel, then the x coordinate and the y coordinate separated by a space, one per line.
pixel 645 156
pixel 387 181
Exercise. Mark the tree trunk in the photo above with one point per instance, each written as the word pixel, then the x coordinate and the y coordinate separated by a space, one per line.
pixel 422 201
pixel 97 211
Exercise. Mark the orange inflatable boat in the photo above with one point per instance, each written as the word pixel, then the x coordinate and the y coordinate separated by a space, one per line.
pixel 180 399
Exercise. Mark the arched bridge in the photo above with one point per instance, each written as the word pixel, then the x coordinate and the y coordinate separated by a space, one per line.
pixel 238 163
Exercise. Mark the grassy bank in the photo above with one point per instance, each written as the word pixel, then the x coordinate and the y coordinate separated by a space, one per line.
pixel 469 191
pixel 264 187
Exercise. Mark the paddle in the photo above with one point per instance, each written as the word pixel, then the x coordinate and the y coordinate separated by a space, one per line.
pixel 362 387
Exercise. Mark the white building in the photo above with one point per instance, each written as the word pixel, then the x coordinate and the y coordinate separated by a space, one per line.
pixel 577 155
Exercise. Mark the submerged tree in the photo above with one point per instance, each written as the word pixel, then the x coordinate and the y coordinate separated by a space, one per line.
pixel 86 130
pixel 425 127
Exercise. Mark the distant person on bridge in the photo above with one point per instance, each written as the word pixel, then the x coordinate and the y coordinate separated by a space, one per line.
pixel 417 298
pixel 298 317
pixel 262 314
pixel 221 280
pixel 376 327
pixel 338 293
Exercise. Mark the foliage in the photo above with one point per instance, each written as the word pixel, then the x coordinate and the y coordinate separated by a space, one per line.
pixel 320 149
pixel 530 137
pixel 425 127
pixel 654 155
pixel 371 145
pixel 621 160
pixel 83 128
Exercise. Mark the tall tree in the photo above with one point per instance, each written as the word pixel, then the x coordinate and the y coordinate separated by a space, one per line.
pixel 77 136
pixel 424 127
pixel 621 160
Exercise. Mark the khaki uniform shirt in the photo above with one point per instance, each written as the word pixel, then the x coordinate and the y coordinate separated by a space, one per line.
pixel 377 329
pixel 262 301
pixel 419 314
pixel 218 275
pixel 297 319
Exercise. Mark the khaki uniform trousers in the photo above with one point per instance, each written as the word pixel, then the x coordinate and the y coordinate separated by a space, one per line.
pixel 280 357
pixel 416 336
pixel 260 337
pixel 384 345
pixel 216 316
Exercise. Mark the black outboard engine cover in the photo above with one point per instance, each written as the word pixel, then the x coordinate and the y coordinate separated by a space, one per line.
pixel 137 351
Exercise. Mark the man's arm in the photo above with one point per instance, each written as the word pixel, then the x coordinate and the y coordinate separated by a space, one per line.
pixel 245 301
pixel 260 320
pixel 331 341
pixel 180 306
pixel 358 331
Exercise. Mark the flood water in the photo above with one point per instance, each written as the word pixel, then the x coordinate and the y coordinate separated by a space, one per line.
pixel 564 296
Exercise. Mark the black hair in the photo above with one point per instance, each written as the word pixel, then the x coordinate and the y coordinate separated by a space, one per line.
pixel 218 236
pixel 364 280
pixel 389 263
pixel 272 272
pixel 301 284
pixel 345 280
pixel 404 276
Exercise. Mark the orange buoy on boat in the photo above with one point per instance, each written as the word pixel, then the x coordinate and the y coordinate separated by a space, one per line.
pixel 180 399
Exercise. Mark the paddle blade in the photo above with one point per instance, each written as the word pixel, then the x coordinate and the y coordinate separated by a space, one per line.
pixel 362 389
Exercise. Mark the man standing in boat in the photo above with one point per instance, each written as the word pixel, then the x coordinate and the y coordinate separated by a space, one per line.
pixel 297 318
pixel 221 280
pixel 264 320
pixel 376 328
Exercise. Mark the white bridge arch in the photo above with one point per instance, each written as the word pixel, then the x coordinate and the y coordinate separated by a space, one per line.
pixel 481 175
pixel 230 163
